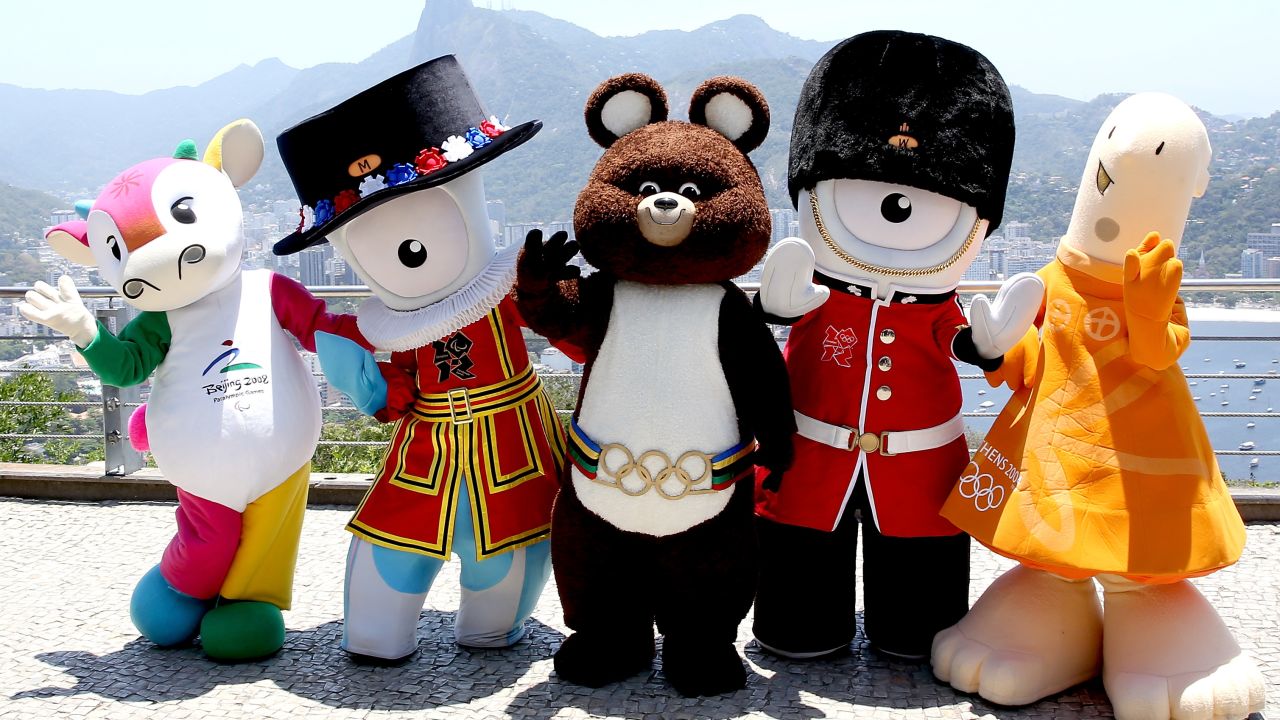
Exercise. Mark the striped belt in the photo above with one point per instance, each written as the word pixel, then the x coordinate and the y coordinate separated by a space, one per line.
pixel 614 465
pixel 463 405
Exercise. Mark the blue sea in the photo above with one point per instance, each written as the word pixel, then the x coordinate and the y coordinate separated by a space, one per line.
pixel 1203 362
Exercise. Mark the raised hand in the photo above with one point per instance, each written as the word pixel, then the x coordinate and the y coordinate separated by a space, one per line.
pixel 786 282
pixel 61 309
pixel 1152 277
pixel 1000 325
pixel 542 265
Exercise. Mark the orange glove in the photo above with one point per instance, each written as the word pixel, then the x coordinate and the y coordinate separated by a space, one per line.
pixel 1019 367
pixel 1158 333
pixel 1152 277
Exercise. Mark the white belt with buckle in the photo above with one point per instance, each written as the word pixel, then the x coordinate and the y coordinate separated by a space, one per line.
pixel 889 442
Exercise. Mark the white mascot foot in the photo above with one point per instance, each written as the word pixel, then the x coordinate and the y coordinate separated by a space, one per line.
pixel 1030 635
pixel 1167 654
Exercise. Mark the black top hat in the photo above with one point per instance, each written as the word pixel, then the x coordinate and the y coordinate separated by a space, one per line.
pixel 415 130
pixel 906 109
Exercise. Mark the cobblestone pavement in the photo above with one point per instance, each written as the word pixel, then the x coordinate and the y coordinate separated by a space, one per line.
pixel 67 648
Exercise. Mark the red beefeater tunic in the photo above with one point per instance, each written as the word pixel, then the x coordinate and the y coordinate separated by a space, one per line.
pixel 877 366
pixel 478 415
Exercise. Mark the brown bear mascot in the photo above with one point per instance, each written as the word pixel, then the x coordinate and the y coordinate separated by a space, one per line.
pixel 682 381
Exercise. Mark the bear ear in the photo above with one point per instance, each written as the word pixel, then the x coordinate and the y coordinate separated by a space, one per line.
pixel 732 107
pixel 622 104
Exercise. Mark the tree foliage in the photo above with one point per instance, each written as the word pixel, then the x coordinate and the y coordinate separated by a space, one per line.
pixel 74 415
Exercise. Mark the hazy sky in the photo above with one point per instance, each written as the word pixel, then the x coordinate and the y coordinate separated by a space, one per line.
pixel 1220 54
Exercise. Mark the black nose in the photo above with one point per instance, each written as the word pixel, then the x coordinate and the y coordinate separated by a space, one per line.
pixel 666 203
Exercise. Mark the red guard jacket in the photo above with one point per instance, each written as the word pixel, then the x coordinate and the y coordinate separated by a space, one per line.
pixel 875 365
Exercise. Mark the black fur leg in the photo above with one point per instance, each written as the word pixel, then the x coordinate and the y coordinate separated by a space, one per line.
pixel 596 660
pixel 697 669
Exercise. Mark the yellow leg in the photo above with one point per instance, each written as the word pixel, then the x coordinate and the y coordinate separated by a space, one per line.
pixel 263 567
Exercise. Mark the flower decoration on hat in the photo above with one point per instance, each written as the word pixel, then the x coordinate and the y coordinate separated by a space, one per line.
pixel 345 199
pixel 372 184
pixel 401 173
pixel 477 139
pixel 428 160
pixel 324 212
pixel 306 217
pixel 456 148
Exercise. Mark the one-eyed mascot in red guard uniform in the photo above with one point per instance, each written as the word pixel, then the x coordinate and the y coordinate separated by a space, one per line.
pixel 900 157
pixel 682 381
pixel 390 176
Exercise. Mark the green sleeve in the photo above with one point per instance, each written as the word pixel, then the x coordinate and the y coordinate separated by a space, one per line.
pixel 129 359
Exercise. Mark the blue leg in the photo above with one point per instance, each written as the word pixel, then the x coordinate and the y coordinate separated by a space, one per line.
pixel 498 593
pixel 383 597
pixel 163 615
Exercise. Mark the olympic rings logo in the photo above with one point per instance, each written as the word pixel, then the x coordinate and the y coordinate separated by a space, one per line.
pixel 653 470
pixel 981 488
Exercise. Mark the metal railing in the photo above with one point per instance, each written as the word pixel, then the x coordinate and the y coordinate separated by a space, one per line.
pixel 116 403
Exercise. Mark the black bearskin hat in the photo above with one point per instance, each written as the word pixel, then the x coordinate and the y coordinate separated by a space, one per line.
pixel 906 109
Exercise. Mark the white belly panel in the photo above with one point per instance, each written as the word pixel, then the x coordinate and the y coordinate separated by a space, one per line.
pixel 657 385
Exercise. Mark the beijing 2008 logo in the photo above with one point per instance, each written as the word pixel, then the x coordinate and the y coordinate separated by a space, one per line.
pixel 981 488
pixel 230 356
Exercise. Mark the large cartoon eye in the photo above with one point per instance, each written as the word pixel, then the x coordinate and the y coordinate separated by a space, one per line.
pixel 412 253
pixel 411 246
pixel 690 191
pixel 114 245
pixel 649 187
pixel 182 212
pixel 895 207
pixel 894 216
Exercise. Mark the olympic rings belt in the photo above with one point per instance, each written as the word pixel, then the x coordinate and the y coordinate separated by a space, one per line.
pixel 462 405
pixel 617 464
pixel 890 442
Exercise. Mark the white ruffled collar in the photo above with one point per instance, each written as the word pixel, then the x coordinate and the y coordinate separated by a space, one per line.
pixel 401 330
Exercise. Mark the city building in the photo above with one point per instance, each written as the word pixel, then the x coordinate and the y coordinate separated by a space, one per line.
pixel 1268 243
pixel 1251 263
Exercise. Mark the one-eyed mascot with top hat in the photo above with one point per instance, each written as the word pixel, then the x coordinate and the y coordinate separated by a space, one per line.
pixel 390 177
pixel 900 157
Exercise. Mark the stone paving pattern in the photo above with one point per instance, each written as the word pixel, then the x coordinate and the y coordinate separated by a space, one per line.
pixel 68 650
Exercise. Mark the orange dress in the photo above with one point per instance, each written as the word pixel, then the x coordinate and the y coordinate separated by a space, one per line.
pixel 1102 464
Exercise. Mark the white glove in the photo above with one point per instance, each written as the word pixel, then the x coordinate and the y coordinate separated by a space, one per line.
pixel 999 326
pixel 786 283
pixel 61 309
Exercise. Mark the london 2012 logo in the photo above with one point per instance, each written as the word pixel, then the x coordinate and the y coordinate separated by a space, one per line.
pixel 230 356
pixel 837 346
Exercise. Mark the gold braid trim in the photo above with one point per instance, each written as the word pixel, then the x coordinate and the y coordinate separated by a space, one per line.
pixel 877 269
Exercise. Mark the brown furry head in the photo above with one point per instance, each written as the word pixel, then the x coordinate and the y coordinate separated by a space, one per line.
pixel 674 202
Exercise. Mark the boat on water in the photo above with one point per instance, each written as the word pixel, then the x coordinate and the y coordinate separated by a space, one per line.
pixel 1247 445
pixel 1193 383
pixel 1213 394
pixel 985 404
pixel 1208 359
pixel 1196 398
pixel 1250 426
pixel 1253 463
pixel 1226 403
pixel 1238 363
pixel 1260 381
pixel 1253 397
pixel 982 392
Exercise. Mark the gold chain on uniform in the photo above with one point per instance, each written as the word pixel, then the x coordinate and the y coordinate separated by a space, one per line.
pixel 652 481
pixel 879 270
